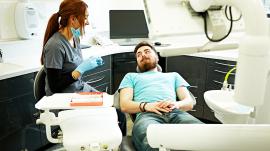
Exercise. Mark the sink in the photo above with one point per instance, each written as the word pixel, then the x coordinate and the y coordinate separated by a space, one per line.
pixel 8 68
pixel 225 108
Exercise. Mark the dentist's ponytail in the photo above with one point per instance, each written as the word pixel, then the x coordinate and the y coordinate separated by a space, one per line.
pixel 60 19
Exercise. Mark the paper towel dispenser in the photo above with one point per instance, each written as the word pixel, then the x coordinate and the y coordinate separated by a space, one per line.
pixel 26 20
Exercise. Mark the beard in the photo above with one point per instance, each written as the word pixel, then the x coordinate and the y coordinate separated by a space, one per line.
pixel 147 64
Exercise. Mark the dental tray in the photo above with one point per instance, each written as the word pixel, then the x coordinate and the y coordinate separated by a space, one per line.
pixel 87 99
pixel 75 100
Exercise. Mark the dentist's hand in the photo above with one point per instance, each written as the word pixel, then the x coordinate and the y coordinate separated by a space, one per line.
pixel 86 65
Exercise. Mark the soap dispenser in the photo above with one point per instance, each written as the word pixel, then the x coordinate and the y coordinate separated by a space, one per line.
pixel 26 20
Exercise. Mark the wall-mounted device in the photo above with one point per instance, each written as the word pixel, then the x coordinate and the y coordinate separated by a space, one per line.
pixel 26 20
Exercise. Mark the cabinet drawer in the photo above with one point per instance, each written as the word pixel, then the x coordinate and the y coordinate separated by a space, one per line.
pixel 104 87
pixel 219 75
pixel 97 78
pixel 193 70
pixel 105 66
pixel 221 63
pixel 187 66
pixel 124 56
pixel 125 66
pixel 198 94
pixel 216 77
pixel 16 86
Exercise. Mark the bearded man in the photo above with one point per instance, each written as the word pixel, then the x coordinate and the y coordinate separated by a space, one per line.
pixel 152 95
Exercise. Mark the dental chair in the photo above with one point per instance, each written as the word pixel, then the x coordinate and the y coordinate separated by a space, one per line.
pixel 127 144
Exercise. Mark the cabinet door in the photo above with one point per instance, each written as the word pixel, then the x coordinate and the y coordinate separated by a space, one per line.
pixel 100 77
pixel 107 65
pixel 193 70
pixel 121 68
pixel 16 86
pixel 18 126
pixel 217 70
pixel 123 63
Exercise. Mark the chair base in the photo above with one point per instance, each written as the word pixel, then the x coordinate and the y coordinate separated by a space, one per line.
pixel 127 144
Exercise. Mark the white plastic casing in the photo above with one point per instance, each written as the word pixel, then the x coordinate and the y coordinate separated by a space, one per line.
pixel 26 20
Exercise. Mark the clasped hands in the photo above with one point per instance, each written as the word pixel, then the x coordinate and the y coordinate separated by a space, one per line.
pixel 162 106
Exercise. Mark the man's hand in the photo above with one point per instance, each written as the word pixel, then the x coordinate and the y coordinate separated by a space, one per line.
pixel 156 108
pixel 180 105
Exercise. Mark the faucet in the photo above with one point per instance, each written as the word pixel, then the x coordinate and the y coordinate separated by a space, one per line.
pixel 1 56
pixel 225 85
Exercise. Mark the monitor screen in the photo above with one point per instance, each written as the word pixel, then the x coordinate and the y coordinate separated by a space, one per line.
pixel 128 24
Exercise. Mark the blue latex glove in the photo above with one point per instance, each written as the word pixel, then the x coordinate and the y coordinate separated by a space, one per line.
pixel 89 64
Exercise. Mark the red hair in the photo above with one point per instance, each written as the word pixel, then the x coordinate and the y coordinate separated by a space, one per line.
pixel 67 8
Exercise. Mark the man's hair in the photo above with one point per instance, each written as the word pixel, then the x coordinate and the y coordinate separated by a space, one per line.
pixel 144 43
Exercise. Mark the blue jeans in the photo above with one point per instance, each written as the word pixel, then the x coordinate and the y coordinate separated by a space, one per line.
pixel 144 119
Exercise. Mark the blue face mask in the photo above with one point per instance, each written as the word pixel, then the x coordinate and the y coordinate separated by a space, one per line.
pixel 76 32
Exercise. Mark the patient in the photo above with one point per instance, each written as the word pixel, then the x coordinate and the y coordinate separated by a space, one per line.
pixel 152 95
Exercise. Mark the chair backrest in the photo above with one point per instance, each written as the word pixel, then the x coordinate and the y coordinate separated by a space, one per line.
pixel 39 84
pixel 116 103
pixel 133 116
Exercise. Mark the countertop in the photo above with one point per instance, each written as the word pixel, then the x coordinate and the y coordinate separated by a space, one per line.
pixel 24 57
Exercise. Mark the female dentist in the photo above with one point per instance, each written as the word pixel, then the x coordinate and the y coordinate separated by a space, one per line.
pixel 61 54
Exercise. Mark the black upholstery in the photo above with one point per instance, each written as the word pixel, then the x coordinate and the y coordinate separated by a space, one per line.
pixel 127 144
pixel 39 84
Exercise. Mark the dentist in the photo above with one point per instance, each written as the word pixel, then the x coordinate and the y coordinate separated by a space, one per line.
pixel 61 54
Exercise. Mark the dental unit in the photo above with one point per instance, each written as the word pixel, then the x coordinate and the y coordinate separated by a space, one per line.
pixel 245 111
